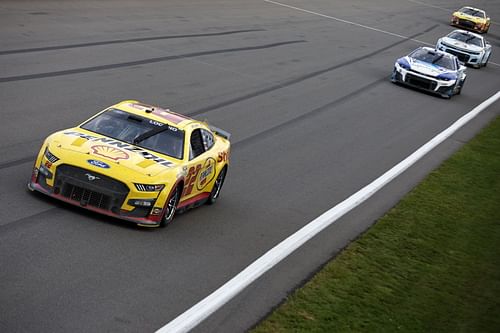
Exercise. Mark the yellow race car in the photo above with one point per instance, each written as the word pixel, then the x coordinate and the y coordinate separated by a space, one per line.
pixel 472 19
pixel 136 162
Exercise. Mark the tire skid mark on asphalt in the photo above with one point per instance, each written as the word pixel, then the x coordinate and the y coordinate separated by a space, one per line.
pixel 327 107
pixel 27 220
pixel 128 40
pixel 144 61
pixel 343 21
pixel 303 77
pixel 17 162
pixel 238 144
pixel 262 91
pixel 356 24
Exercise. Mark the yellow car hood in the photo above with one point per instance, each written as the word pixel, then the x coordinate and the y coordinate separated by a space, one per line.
pixel 76 146
pixel 474 19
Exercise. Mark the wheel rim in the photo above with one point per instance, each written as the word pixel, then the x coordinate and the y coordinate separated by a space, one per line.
pixel 172 202
pixel 218 184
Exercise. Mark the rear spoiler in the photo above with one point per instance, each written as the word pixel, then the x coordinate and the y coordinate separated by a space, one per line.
pixel 220 132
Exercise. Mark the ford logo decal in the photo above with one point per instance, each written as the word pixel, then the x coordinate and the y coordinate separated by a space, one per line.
pixel 98 164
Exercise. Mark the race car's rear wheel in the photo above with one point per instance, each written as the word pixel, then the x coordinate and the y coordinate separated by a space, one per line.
pixel 217 187
pixel 170 207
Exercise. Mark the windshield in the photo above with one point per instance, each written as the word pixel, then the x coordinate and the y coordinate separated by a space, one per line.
pixel 466 38
pixel 124 126
pixel 472 12
pixel 435 58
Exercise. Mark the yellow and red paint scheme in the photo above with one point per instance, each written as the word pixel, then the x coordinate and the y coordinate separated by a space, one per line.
pixel 463 18
pixel 93 158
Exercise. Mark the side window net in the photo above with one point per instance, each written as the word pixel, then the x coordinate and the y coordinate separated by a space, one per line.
pixel 196 141
pixel 208 140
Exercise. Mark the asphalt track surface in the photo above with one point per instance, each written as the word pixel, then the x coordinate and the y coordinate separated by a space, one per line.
pixel 313 115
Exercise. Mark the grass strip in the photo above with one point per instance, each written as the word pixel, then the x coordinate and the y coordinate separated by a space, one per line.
pixel 431 264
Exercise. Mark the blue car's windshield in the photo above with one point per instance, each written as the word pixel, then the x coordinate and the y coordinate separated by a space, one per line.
pixel 142 132
pixel 435 58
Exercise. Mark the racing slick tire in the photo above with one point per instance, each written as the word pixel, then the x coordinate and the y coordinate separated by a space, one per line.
pixel 171 207
pixel 394 76
pixel 487 59
pixel 459 88
pixel 217 187
pixel 455 90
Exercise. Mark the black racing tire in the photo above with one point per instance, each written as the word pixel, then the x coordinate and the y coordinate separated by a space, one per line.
pixel 459 90
pixel 215 193
pixel 487 59
pixel 393 76
pixel 171 207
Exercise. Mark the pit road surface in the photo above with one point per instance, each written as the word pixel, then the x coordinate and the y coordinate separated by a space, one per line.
pixel 313 117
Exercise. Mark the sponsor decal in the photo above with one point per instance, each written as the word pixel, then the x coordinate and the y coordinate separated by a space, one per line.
pixel 201 175
pixel 207 174
pixel 98 164
pixel 125 146
pixel 223 156
pixel 109 152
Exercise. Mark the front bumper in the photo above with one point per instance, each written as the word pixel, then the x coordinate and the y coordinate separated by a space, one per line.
pixel 467 57
pixel 422 81
pixel 468 24
pixel 110 197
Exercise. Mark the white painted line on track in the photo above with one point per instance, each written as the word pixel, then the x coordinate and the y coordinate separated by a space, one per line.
pixel 361 25
pixel 441 8
pixel 348 22
pixel 200 311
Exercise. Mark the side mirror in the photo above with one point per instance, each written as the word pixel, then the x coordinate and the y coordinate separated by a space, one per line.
pixel 462 67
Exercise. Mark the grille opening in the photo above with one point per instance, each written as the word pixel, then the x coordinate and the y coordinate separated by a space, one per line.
pixel 420 82
pixel 86 197
pixel 462 57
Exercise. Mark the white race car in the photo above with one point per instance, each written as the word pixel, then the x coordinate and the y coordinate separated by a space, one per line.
pixel 469 47
pixel 431 70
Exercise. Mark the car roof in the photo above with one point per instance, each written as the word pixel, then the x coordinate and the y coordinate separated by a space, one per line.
pixel 473 8
pixel 430 49
pixel 155 113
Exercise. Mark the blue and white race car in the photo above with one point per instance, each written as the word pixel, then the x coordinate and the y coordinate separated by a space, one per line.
pixel 432 70
pixel 469 47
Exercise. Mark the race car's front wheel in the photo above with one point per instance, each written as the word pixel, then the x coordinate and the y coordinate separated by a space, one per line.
pixel 171 207
pixel 460 85
pixel 394 76
pixel 217 187
pixel 486 62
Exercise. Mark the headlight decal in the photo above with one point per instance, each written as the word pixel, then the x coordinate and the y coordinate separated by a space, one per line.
pixel 447 76
pixel 149 187
pixel 50 157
